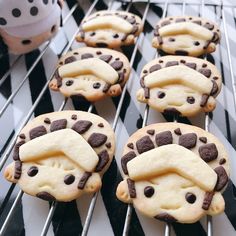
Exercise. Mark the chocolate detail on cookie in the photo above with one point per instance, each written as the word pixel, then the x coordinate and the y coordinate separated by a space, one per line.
pixel 191 65
pixel 96 85
pixel 161 94
pixel 97 139
pixel 208 152
pixel 180 20
pixel 18 169
pixel 144 144
pixel 22 136
pixel 214 88
pixel 149 191
pixel 86 56
pixel 46 196
pixel 205 72
pixel 58 125
pixel 171 111
pixel 103 160
pixel 106 58
pixel 74 117
pixel 58 78
pixel 178 131
pixel 121 77
pixel 191 100
pixel 164 23
pixel 32 171
pixel 188 140
pixel 134 30
pixel 164 138
pixel 106 87
pixel 101 125
pixel 203 139
pixel 131 187
pixel 181 53
pixel 69 82
pixel 37 132
pixel 16 155
pixel 117 65
pixel 209 26
pixel 130 145
pixel 47 121
pixel 198 22
pixel 146 93
pixel 83 180
pixel 165 217
pixel 101 45
pixel 82 126
pixel 69 179
pixel 70 59
pixel 207 200
pixel 222 179
pixel 190 197
pixel 125 159
pixel 172 63
pixel 204 100
pixel 151 131
pixel 154 68
pixel 222 161
pixel 108 145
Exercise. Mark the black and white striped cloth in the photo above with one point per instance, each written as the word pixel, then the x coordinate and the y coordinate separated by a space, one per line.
pixel 109 215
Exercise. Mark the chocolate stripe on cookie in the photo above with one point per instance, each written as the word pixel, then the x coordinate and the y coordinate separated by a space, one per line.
pixel 103 160
pixel 207 200
pixel 16 150
pixel 17 173
pixel 83 180
pixel 165 217
pixel 131 187
pixel 125 159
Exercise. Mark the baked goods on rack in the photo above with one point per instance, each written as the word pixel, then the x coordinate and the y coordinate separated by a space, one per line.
pixel 174 172
pixel 91 73
pixel 25 25
pixel 110 29
pixel 186 35
pixel 62 155
pixel 180 85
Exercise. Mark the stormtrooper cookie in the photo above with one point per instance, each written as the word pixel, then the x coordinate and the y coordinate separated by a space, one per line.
pixel 25 25
pixel 110 29
pixel 180 85
pixel 186 35
pixel 174 172
pixel 62 155
pixel 91 73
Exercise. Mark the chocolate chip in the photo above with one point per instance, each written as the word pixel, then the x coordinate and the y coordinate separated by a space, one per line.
pixel 207 200
pixel 191 65
pixel 18 170
pixel 86 56
pixel 26 42
pixel 125 159
pixel 82 126
pixel 134 30
pixel 142 82
pixel 149 191
pixel 97 139
pixel 222 161
pixel 144 144
pixel 115 36
pixel 84 180
pixel 154 68
pixel 32 171
pixel 151 131
pixel 130 145
pixel 222 179
pixel 180 20
pixel 131 20
pixel 165 217
pixel 16 150
pixel 161 94
pixel 171 111
pixel 171 39
pixel 166 22
pixel 101 125
pixel 215 78
pixel 58 124
pixel 209 26
pixel 172 63
pixel 106 58
pixel 106 88
pixel 146 93
pixel 131 187
pixel 103 160
pixel 58 78
pixel 101 45
pixel 121 77
pixel 74 117
pixel 2 21
pixel 204 100
pixel 70 59
pixel 37 132
pixel 182 61
pixel 69 179
pixel 96 85
pixel 98 52
pixel 34 11
pixel 214 89
pixel 204 65
pixel 16 12
pixel 145 71
pixel 181 53
pixel 191 100
pixel 46 196
pixel 160 61
pixel 108 145
pixel 47 121
pixel 117 65
pixel 178 131
pixel 196 43
pixel 198 22
pixel 215 38
pixel 69 82
pixel 22 136
pixel 208 152
pixel 92 34
pixel 164 138
pixel 203 139
pixel 205 72
pixel 190 198
pixel 188 140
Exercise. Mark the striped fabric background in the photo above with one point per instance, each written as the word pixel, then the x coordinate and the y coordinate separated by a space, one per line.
pixel 109 215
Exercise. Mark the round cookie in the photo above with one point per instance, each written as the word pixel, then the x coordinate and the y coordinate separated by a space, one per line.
pixel 180 85
pixel 186 35
pixel 25 25
pixel 91 73
pixel 62 155
pixel 110 29
pixel 174 172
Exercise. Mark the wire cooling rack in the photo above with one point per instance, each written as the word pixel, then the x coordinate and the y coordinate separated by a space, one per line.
pixel 124 112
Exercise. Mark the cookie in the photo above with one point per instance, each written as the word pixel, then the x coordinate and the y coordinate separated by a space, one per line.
pixel 110 29
pixel 25 25
pixel 61 155
pixel 180 85
pixel 186 35
pixel 91 73
pixel 174 172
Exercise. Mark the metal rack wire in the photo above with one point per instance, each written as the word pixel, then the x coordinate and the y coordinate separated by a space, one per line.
pixel 6 154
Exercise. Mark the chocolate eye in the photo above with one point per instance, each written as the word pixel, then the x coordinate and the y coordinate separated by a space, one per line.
pixel 190 100
pixel 33 170
pixel 69 179
pixel 96 85
pixel 149 191
pixel 69 82
pixel 161 94
pixel 190 198
pixel 196 43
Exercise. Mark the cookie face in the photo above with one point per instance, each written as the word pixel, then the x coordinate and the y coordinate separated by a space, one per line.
pixel 91 73
pixel 180 85
pixel 186 35
pixel 166 168
pixel 77 147
pixel 110 29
